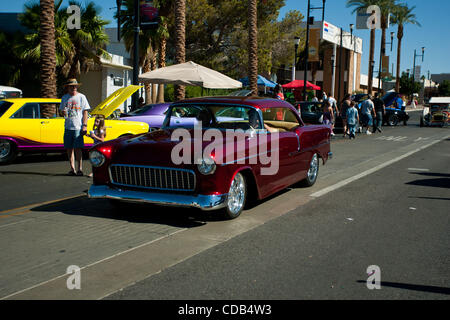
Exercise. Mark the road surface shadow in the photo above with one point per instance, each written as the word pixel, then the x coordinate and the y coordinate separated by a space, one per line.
pixel 431 198
pixel 34 173
pixel 132 212
pixel 414 287
pixel 437 183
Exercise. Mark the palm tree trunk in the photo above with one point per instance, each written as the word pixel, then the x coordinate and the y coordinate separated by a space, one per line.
pixel 154 66
pixel 253 46
pixel 382 46
pixel 371 57
pixel 48 55
pixel 180 39
pixel 162 64
pixel 146 68
pixel 399 54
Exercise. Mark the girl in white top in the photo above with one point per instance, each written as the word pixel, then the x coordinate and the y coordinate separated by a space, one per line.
pixel 98 132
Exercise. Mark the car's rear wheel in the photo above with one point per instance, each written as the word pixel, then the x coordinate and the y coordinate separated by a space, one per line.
pixel 313 171
pixel 237 197
pixel 421 122
pixel 393 120
pixel 8 151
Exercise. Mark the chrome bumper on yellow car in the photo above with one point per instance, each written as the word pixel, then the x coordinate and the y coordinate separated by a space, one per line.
pixel 204 202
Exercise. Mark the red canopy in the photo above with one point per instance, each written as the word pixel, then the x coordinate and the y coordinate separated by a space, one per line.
pixel 298 84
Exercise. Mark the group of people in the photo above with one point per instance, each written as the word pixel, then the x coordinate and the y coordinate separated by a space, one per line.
pixel 74 108
pixel 369 115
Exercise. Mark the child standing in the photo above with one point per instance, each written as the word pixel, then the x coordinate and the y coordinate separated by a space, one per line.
pixel 352 120
pixel 98 132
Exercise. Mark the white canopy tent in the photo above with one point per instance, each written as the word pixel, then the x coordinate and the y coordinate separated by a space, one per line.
pixel 190 74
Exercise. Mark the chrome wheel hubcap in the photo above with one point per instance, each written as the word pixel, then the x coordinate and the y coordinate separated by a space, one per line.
pixel 313 168
pixel 236 196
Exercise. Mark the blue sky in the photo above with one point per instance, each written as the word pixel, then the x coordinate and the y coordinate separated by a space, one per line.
pixel 432 14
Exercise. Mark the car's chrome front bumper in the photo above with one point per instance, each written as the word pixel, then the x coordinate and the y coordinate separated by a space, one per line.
pixel 204 202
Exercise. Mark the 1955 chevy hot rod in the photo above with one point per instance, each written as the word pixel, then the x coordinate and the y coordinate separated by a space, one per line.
pixel 212 153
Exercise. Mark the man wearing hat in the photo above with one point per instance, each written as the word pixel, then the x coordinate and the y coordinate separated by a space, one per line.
pixel 74 106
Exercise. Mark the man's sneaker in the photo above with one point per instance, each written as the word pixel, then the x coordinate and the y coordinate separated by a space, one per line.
pixel 368 132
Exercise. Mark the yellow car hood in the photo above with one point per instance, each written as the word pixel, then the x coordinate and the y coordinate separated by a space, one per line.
pixel 107 106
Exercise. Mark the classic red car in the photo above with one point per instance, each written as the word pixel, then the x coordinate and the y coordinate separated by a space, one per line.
pixel 212 153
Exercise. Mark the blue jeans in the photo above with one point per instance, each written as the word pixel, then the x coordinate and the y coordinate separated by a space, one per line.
pixel 378 121
pixel 73 139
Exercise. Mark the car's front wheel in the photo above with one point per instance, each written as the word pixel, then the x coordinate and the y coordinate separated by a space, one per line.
pixel 393 120
pixel 8 151
pixel 313 172
pixel 237 197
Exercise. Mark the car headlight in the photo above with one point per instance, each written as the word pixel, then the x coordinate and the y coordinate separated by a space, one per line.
pixel 208 166
pixel 96 158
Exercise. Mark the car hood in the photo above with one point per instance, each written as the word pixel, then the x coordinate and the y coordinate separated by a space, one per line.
pixel 107 106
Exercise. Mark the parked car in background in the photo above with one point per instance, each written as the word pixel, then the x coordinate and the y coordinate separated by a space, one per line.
pixel 436 113
pixel 148 169
pixel 24 130
pixel 394 114
pixel 152 114
pixel 311 112
pixel 9 92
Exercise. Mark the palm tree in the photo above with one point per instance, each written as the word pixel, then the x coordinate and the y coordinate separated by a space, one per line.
pixel 75 51
pixel 89 41
pixel 48 54
pixel 402 15
pixel 386 6
pixel 361 5
pixel 180 41
pixel 253 45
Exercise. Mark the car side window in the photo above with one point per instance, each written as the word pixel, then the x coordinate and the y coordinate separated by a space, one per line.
pixel 283 119
pixel 28 111
pixel 55 107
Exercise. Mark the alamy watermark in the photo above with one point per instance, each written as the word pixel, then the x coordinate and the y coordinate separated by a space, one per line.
pixel 74 280
pixel 227 147
pixel 74 20
pixel 374 279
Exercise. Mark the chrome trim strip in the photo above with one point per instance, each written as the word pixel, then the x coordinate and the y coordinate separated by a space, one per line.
pixel 203 202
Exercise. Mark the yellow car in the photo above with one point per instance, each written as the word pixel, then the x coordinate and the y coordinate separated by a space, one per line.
pixel 22 129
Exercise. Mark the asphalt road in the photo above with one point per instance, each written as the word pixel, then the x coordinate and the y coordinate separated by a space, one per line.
pixel 301 243
pixel 396 219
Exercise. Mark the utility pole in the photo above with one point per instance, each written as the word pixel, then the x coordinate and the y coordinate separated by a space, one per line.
pixel 135 97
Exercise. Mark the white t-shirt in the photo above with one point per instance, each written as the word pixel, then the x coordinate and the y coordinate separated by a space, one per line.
pixel 74 107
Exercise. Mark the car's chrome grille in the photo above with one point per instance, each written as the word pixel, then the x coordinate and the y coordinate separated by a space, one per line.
pixel 152 177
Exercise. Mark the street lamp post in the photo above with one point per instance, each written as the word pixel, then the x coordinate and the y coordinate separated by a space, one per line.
pixel 415 56
pixel 135 97
pixel 308 22
pixel 381 58
pixel 296 44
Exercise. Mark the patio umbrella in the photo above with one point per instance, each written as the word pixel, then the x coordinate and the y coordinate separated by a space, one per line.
pixel 261 81
pixel 298 84
pixel 190 74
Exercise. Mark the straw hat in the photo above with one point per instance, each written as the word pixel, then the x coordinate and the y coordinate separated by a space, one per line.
pixel 72 82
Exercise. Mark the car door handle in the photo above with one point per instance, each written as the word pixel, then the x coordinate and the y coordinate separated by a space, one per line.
pixel 45 122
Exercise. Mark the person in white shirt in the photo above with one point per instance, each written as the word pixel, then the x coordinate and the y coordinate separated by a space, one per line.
pixel 74 107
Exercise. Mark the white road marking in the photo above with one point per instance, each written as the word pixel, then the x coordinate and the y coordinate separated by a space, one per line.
pixel 418 169
pixel 370 171
pixel 392 138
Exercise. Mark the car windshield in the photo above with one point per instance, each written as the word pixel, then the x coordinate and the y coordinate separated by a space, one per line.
pixel 141 110
pixel 311 107
pixel 213 116
pixel 4 106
